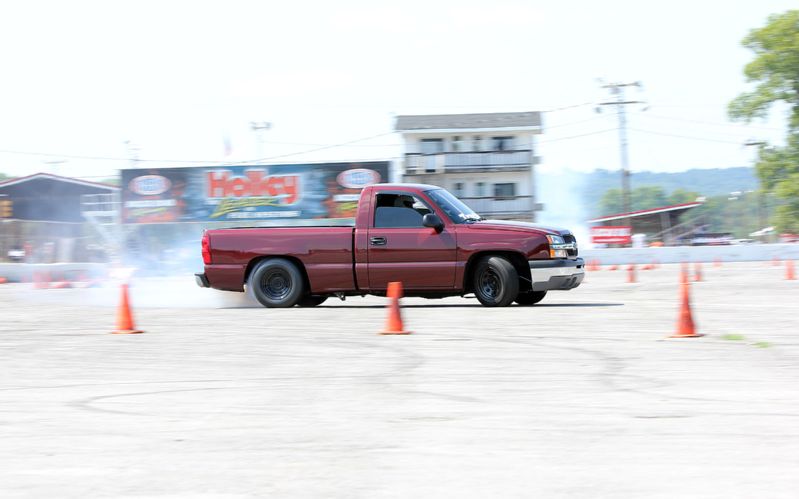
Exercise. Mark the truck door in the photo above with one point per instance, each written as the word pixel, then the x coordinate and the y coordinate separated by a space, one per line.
pixel 400 248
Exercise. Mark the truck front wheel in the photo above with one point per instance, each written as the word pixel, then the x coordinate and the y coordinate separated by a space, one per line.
pixel 496 282
pixel 276 283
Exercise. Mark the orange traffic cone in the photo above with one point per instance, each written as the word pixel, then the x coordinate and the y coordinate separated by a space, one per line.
pixel 394 322
pixel 124 317
pixel 790 274
pixel 3 280
pixel 717 262
pixel 631 273
pixel 613 267
pixel 685 322
pixel 698 272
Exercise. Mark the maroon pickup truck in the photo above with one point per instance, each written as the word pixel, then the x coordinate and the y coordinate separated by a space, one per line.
pixel 418 234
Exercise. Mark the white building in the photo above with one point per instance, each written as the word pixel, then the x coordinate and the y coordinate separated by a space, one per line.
pixel 488 160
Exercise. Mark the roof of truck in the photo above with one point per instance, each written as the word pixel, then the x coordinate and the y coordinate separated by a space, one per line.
pixel 421 187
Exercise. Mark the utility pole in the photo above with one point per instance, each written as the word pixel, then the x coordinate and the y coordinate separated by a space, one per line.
pixel 617 90
pixel 259 127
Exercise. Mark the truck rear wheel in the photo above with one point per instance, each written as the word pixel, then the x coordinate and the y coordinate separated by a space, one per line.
pixel 276 283
pixel 496 282
pixel 530 298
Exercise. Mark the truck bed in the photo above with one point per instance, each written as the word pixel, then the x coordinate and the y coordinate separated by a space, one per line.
pixel 325 252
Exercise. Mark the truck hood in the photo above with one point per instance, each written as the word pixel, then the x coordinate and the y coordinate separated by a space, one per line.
pixel 519 226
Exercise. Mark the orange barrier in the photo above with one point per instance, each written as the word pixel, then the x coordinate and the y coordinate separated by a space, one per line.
pixel 790 273
pixel 698 272
pixel 394 322
pixel 685 321
pixel 124 316
pixel 631 273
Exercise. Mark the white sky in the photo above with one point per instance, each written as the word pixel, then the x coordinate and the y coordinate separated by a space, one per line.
pixel 174 78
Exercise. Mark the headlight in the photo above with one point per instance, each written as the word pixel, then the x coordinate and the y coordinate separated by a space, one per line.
pixel 558 247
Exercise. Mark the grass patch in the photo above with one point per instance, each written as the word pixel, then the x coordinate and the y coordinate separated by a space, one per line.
pixel 733 337
pixel 762 344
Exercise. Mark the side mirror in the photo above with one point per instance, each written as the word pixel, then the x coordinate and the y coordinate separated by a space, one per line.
pixel 431 220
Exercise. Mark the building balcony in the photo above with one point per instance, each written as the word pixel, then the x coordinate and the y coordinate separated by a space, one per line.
pixel 493 206
pixel 444 162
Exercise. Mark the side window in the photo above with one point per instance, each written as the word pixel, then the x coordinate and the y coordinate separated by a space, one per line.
pixel 399 210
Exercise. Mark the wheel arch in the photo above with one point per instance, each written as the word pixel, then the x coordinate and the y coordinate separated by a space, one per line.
pixel 516 259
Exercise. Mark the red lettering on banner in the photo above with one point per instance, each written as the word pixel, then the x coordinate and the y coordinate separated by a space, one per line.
pixel 253 184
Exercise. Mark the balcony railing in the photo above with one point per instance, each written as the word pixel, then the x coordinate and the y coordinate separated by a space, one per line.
pixel 500 205
pixel 441 162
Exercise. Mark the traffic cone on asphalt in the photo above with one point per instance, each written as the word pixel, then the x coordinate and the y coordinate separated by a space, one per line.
pixel 790 274
pixel 3 280
pixel 631 273
pixel 394 322
pixel 698 272
pixel 124 316
pixel 41 280
pixel 685 321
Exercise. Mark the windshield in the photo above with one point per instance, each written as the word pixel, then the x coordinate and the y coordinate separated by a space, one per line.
pixel 456 209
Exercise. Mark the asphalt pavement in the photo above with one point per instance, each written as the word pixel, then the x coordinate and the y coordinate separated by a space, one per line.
pixel 582 395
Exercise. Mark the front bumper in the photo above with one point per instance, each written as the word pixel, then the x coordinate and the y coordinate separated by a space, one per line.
pixel 561 274
pixel 202 280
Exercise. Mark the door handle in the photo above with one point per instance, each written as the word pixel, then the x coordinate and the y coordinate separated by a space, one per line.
pixel 377 241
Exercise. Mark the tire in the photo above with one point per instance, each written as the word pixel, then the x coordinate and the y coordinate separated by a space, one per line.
pixel 530 298
pixel 496 282
pixel 311 300
pixel 276 283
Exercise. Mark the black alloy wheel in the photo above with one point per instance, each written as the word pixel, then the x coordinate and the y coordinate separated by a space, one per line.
pixel 276 283
pixel 496 282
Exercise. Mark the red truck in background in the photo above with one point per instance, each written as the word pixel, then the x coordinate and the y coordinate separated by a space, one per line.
pixel 418 234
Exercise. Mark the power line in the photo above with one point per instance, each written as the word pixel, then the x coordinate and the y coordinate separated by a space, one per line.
pixel 712 123
pixel 548 141
pixel 689 137
pixel 185 161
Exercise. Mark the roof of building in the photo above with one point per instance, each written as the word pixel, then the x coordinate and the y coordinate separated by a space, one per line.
pixel 528 119
pixel 643 213
pixel 57 178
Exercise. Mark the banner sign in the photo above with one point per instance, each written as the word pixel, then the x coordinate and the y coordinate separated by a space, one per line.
pixel 611 234
pixel 225 193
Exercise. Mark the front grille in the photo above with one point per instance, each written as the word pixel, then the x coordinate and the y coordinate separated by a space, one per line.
pixel 569 238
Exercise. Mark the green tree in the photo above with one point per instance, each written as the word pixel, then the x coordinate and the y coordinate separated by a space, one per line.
pixel 775 70
pixel 681 196
pixel 641 198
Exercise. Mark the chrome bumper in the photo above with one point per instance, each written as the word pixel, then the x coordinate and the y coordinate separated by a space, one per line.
pixel 560 274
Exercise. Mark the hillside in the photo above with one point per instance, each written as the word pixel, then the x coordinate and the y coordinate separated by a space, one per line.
pixel 590 187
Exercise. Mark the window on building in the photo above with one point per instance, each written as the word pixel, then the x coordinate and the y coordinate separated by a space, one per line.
pixel 480 189
pixel 458 189
pixel 432 146
pixel 476 143
pixel 502 143
pixel 504 190
pixel 399 210
pixel 456 143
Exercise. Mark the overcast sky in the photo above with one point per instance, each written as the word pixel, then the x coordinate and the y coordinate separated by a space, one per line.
pixel 176 78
